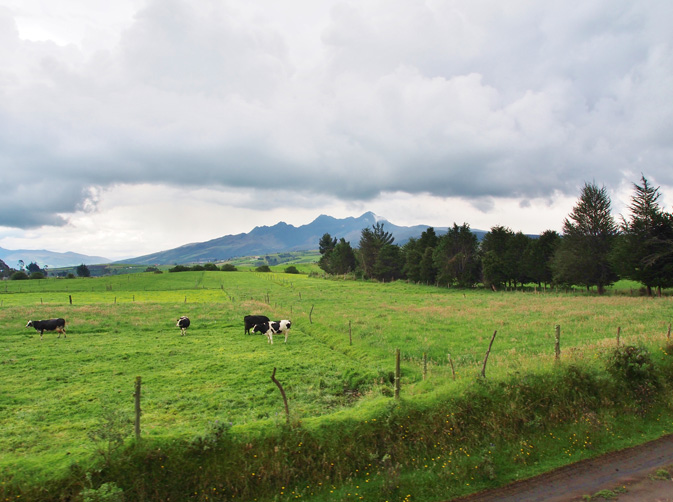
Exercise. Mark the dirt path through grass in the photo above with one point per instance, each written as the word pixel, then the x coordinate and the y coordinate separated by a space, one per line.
pixel 630 475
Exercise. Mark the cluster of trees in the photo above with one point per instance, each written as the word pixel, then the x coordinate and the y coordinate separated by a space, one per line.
pixel 227 267
pixel 594 250
pixel 32 271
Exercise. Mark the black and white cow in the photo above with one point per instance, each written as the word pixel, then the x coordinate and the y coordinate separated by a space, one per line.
pixel 273 328
pixel 251 320
pixel 57 325
pixel 183 324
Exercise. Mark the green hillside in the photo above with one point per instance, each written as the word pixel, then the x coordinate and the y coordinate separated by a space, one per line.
pixel 66 407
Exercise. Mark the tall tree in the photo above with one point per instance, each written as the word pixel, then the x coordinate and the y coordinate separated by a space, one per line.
pixel 456 257
pixel 326 245
pixel 640 253
pixel 497 266
pixel 589 232
pixel 371 242
pixel 342 258
pixel 539 257
pixel 83 271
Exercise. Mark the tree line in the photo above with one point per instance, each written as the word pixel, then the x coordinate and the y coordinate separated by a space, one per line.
pixel 594 250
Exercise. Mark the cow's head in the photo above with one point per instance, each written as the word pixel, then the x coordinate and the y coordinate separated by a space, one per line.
pixel 30 324
pixel 260 328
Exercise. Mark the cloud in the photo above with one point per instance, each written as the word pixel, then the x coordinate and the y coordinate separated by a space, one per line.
pixel 482 102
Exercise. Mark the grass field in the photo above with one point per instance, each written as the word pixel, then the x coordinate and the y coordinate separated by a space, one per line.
pixel 57 394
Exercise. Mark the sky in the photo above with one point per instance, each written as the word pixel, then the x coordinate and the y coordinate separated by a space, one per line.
pixel 135 126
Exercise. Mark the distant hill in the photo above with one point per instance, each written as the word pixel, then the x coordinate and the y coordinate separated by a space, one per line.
pixel 50 259
pixel 279 238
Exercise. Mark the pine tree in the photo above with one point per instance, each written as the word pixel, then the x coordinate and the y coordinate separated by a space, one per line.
pixel 643 252
pixel 589 233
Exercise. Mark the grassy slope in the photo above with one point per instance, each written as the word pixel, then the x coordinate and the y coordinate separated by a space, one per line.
pixel 54 392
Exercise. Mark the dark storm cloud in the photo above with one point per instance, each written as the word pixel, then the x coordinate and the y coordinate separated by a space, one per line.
pixel 491 99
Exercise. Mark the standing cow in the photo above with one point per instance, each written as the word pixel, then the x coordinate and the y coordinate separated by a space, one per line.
pixel 251 320
pixel 273 328
pixel 57 325
pixel 183 324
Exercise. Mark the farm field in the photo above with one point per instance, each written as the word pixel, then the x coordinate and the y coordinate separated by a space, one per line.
pixel 60 396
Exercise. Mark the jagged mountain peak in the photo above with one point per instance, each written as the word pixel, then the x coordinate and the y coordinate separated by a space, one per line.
pixel 281 237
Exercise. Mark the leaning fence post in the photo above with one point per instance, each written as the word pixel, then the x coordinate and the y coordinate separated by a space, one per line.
pixel 70 297
pixel 668 335
pixel 483 368
pixel 310 314
pixel 137 406
pixel 282 393
pixel 557 348
pixel 397 374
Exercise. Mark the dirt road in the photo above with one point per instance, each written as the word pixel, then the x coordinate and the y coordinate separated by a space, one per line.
pixel 639 474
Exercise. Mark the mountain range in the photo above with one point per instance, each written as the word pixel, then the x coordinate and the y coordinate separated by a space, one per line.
pixel 277 239
pixel 262 240
pixel 52 259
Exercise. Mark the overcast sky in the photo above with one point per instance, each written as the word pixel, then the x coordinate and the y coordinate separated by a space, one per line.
pixel 134 126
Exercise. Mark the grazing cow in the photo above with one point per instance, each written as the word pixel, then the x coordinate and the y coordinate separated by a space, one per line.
pixel 57 325
pixel 273 328
pixel 183 324
pixel 251 320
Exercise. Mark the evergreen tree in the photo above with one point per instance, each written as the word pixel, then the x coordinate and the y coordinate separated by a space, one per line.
pixel 539 256
pixel 83 271
pixel 342 258
pixel 412 260
pixel 372 241
pixel 456 257
pixel 497 265
pixel 641 251
pixel 583 256
pixel 326 245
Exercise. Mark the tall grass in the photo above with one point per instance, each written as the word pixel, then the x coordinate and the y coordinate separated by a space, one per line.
pixel 212 416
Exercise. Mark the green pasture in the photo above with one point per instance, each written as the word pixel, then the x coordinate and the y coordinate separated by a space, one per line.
pixel 339 358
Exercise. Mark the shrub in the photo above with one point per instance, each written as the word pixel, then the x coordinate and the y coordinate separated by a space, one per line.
pixel 634 367
pixel 108 492
pixel 37 275
pixel 210 267
pixel 179 268
pixel 263 268
pixel 19 276
pixel 291 270
pixel 228 267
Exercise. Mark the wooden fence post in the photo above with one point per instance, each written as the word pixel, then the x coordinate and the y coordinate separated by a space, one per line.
pixel 350 333
pixel 483 368
pixel 70 297
pixel 668 335
pixel 282 393
pixel 619 331
pixel 136 394
pixel 425 365
pixel 453 370
pixel 310 320
pixel 398 373
pixel 557 347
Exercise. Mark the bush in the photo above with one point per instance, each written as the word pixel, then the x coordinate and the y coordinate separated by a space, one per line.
pixel 19 276
pixel 228 267
pixel 633 367
pixel 210 267
pixel 291 270
pixel 37 275
pixel 179 268
pixel 263 268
